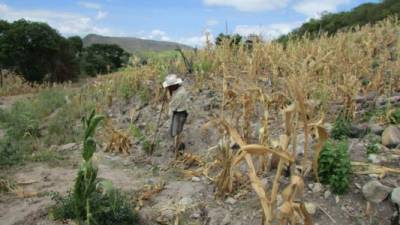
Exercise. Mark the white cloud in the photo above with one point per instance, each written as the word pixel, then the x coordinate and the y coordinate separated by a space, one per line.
pixel 158 35
pixel 249 5
pixel 268 32
pixel 90 5
pixel 197 41
pixel 314 8
pixel 66 23
pixel 101 14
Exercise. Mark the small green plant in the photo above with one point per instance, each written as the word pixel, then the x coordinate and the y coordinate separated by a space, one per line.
pixel 341 128
pixel 93 201
pixel 372 145
pixel 334 166
pixel 394 116
pixel 146 145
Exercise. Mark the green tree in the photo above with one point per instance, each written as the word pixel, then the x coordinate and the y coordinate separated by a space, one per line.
pixel 103 58
pixel 36 51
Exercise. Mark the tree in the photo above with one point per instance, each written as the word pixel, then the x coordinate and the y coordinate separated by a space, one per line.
pixel 36 51
pixel 233 40
pixel 76 44
pixel 103 58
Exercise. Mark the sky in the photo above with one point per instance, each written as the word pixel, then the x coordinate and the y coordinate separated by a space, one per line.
pixel 184 21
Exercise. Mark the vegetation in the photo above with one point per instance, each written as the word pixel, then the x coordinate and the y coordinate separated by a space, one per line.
pixel 36 51
pixel 331 23
pixel 22 124
pixel 93 201
pixel 103 58
pixel 394 116
pixel 341 127
pixel 334 166
pixel 40 54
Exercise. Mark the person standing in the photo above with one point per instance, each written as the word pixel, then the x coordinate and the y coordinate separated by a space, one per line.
pixel 178 109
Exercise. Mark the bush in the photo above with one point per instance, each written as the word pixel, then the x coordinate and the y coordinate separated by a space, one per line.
pixel 334 166
pixel 341 128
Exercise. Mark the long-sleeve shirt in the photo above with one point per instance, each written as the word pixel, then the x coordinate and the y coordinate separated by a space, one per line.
pixel 179 101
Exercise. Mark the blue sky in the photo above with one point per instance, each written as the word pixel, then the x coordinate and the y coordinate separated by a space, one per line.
pixel 185 21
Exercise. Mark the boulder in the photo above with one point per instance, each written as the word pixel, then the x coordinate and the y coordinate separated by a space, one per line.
pixel 376 128
pixel 375 192
pixel 358 130
pixel 391 137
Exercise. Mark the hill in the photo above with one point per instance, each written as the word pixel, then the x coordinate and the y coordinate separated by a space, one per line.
pixel 361 15
pixel 131 44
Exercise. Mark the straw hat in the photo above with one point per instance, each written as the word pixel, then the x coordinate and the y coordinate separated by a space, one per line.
pixel 171 79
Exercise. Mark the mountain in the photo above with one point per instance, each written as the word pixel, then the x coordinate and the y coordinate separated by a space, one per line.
pixel 131 44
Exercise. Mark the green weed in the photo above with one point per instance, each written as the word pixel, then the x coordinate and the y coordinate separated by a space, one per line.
pixel 341 128
pixel 334 166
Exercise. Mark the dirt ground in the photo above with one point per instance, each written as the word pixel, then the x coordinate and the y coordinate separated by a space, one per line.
pixel 197 196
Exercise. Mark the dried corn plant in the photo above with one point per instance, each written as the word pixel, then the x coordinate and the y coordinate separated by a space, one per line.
pixel 118 141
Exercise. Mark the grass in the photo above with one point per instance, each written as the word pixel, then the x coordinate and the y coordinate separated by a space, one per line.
pixel 22 123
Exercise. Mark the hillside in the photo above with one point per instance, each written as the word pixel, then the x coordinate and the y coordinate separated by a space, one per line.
pixel 131 44
pixel 361 15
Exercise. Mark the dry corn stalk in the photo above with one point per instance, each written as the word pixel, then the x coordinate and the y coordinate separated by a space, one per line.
pixel 149 191
pixel 367 168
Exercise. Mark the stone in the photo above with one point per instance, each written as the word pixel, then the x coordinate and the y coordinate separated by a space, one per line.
pixel 327 194
pixel 186 202
pixel 317 187
pixel 219 216
pixel 67 147
pixel 375 192
pixel 196 179
pixel 231 200
pixel 376 159
pixel 395 196
pixel 358 130
pixel 311 208
pixel 376 128
pixel 391 137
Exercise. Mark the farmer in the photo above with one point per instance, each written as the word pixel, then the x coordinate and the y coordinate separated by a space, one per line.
pixel 178 108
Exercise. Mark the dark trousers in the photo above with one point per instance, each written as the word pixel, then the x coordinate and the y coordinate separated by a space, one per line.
pixel 178 120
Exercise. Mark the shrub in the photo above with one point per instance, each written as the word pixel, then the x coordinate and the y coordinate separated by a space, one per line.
pixel 334 166
pixel 341 128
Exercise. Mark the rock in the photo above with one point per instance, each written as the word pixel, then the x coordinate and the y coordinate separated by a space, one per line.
pixel 311 208
pixel 374 191
pixel 147 214
pixel 376 128
pixel 395 196
pixel 219 216
pixel 391 137
pixel 316 187
pixel 196 179
pixel 358 130
pixel 376 159
pixel 327 194
pixel 231 200
pixel 68 147
pixel 186 202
